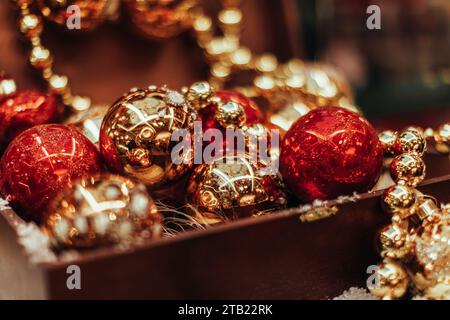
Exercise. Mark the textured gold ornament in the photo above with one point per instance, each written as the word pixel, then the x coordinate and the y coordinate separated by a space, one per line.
pixel 161 19
pixel 408 168
pixel 392 281
pixel 233 187
pixel 135 136
pixel 388 139
pixel 92 12
pixel 410 140
pixel 399 199
pixel 100 210
pixel 230 115
pixel 395 242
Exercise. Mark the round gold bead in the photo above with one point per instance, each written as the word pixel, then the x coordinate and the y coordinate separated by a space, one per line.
pixel 30 25
pixel 399 199
pixel 230 115
pixel 58 84
pixel 7 85
pixel 410 141
pixel 266 63
pixel 79 103
pixel 408 168
pixel 199 94
pixel 40 57
pixel 392 281
pixel 388 139
pixel 395 242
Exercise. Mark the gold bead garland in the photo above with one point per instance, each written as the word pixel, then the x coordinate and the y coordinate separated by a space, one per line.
pixel 416 245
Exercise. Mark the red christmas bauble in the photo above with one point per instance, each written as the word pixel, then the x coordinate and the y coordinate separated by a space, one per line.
pixel 24 110
pixel 330 152
pixel 252 112
pixel 42 161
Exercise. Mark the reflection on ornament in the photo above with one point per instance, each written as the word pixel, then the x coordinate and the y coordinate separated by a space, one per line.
pixel 102 209
pixel 91 12
pixel 42 161
pixel 135 136
pixel 161 19
pixel 89 122
pixel 330 152
pixel 233 187
pixel 24 110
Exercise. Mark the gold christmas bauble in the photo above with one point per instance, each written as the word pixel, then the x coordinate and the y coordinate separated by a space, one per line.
pixel 388 139
pixel 411 140
pixel 102 209
pixel 395 242
pixel 161 19
pixel 89 13
pixel 399 200
pixel 392 281
pixel 232 187
pixel 136 136
pixel 408 168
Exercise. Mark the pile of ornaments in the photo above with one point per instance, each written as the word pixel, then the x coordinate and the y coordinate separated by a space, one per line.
pixel 86 191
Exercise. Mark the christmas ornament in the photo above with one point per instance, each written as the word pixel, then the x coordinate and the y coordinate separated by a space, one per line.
pixel 91 12
pixel 101 209
pixel 42 161
pixel 135 136
pixel 89 122
pixel 233 187
pixel 440 137
pixel 393 281
pixel 330 152
pixel 224 108
pixel 161 19
pixel 408 168
pixel 7 86
pixel 24 110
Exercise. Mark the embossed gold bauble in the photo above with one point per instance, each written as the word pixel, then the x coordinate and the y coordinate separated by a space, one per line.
pixel 136 132
pixel 102 209
pixel 91 12
pixel 161 19
pixel 233 187
pixel 392 281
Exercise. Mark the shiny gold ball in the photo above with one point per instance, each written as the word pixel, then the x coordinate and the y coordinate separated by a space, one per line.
pixel 30 25
pixel 230 115
pixel 395 242
pixel 199 94
pixel 7 85
pixel 388 139
pixel 136 136
pixel 399 200
pixel 408 168
pixel 90 12
pixel 392 281
pixel 233 187
pixel 161 19
pixel 102 209
pixel 410 140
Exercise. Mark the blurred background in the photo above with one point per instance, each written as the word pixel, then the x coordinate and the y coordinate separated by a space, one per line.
pixel 404 66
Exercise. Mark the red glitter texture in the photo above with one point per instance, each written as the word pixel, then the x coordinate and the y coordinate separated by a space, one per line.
pixel 330 152
pixel 24 110
pixel 42 161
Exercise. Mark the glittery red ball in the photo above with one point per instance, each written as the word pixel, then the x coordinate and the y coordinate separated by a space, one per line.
pixel 330 152
pixel 24 110
pixel 251 109
pixel 42 161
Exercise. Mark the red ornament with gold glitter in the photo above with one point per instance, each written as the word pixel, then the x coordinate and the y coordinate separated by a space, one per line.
pixel 24 110
pixel 330 152
pixel 42 161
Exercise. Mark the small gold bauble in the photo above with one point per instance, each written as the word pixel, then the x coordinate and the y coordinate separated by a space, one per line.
pixel 230 115
pixel 102 209
pixel 161 19
pixel 232 187
pixel 136 136
pixel 392 281
pixel 91 12
pixel 399 200
pixel 199 94
pixel 388 139
pixel 410 140
pixel 395 242
pixel 7 85
pixel 408 168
